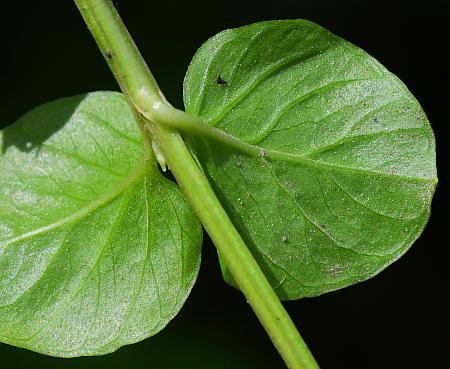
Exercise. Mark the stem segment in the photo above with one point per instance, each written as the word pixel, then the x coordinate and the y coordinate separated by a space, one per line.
pixel 138 84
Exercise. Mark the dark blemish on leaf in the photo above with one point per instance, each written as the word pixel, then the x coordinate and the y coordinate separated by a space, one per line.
pixel 393 171
pixel 108 54
pixel 322 226
pixel 375 120
pixel 277 318
pixel 220 80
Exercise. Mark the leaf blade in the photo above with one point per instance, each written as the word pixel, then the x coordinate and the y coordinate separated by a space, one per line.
pixel 93 274
pixel 329 147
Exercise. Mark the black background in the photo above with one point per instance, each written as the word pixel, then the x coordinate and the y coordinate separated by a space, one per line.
pixel 399 319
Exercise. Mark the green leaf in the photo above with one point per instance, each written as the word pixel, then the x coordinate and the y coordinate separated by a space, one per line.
pixel 332 170
pixel 97 248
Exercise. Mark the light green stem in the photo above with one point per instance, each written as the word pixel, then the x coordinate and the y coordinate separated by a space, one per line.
pixel 144 95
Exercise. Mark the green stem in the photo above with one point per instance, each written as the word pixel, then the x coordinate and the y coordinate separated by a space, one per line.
pixel 144 95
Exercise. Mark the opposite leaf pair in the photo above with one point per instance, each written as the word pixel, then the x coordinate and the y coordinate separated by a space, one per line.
pixel 329 178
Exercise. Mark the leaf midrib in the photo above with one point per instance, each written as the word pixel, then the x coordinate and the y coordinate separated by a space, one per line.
pixel 212 132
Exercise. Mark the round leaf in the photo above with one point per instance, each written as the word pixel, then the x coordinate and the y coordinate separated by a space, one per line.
pixel 331 177
pixel 97 248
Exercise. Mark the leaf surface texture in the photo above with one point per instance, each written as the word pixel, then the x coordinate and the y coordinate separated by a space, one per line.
pixel 331 170
pixel 97 248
